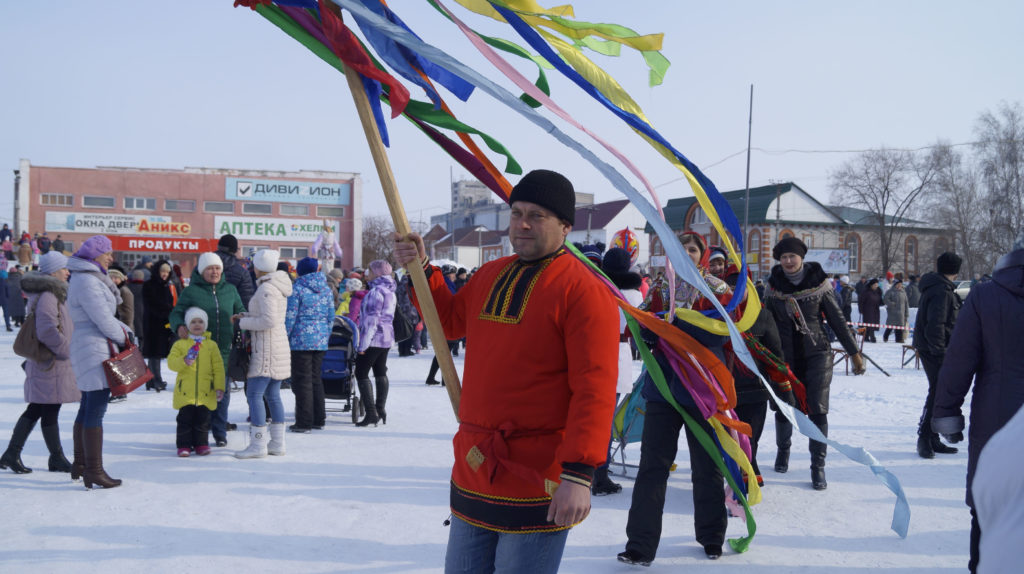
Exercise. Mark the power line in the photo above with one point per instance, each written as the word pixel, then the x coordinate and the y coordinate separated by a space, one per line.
pixel 818 151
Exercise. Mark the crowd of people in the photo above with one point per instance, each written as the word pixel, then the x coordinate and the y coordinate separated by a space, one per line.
pixel 551 358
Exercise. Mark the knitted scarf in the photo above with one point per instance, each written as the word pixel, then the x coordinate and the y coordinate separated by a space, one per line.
pixel 792 303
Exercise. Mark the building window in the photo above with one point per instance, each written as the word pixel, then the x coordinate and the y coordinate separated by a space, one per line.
pixel 140 203
pixel 97 201
pixel 910 255
pixel 294 210
pixel 294 252
pixel 786 233
pixel 853 246
pixel 57 199
pixel 696 216
pixel 257 208
pixel 325 211
pixel 656 247
pixel 808 239
pixel 218 206
pixel 180 204
pixel 754 245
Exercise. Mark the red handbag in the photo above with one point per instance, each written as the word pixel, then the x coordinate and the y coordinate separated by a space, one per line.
pixel 126 370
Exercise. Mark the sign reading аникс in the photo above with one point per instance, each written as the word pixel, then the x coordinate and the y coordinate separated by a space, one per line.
pixel 280 190
pixel 270 228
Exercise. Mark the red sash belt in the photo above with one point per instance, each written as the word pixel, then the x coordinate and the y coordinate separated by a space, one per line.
pixel 496 452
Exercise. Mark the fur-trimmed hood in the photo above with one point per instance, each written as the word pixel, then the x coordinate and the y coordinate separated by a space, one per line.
pixel 36 282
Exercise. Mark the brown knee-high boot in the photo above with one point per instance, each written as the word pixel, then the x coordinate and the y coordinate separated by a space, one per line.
pixel 78 464
pixel 94 473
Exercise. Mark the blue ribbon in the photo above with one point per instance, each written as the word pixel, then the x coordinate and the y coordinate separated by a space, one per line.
pixel 722 207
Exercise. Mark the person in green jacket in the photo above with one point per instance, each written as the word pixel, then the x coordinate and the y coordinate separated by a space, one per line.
pixel 210 291
pixel 200 383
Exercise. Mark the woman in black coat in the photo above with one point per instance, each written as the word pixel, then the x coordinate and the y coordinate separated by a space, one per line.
pixel 801 299
pixel 870 303
pixel 158 296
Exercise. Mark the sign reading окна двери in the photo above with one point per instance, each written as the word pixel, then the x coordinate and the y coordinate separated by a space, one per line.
pixel 280 190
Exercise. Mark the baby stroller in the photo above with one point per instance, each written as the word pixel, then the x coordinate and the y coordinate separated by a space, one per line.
pixel 338 368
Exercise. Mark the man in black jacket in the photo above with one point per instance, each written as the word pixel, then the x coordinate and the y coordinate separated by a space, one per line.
pixel 234 273
pixel 936 316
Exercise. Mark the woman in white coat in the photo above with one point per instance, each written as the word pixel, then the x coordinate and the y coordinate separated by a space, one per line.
pixel 271 355
pixel 92 300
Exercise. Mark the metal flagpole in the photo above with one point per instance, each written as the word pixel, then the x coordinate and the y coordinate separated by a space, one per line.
pixel 746 200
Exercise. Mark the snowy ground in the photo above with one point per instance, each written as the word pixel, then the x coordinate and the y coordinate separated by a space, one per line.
pixel 352 499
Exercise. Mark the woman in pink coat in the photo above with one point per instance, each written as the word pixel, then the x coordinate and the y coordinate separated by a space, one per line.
pixel 51 383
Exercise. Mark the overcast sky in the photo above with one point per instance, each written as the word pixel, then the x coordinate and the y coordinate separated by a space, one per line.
pixel 199 83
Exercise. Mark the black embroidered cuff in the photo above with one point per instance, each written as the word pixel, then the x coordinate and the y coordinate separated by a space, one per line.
pixel 577 472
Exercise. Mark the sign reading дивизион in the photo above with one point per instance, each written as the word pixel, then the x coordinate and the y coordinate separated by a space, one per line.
pixel 281 190
pixel 270 228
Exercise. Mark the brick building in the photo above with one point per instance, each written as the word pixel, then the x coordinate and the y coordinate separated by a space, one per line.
pixel 180 213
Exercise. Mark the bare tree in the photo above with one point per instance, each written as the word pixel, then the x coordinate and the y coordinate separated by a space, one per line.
pixel 956 203
pixel 889 184
pixel 1000 157
pixel 377 239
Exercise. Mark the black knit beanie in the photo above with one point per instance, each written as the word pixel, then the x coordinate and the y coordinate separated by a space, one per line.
pixel 789 245
pixel 616 266
pixel 948 263
pixel 547 189
pixel 229 243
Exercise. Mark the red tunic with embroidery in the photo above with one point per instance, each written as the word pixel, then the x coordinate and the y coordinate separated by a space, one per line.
pixel 538 388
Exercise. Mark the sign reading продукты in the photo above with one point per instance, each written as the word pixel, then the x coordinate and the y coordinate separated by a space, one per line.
pixel 280 190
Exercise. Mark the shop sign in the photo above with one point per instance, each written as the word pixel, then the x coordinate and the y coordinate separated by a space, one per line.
pixel 115 224
pixel 271 229
pixel 158 245
pixel 281 190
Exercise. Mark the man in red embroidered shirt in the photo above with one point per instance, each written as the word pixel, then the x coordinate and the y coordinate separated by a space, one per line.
pixel 538 387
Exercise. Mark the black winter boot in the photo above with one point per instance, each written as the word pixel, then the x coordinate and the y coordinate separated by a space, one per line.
pixel 12 456
pixel 382 398
pixel 369 406
pixel 58 462
pixel 603 485
pixel 818 451
pixel 941 448
pixel 924 446
pixel 783 441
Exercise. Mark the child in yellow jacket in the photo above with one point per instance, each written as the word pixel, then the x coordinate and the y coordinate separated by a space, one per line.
pixel 200 383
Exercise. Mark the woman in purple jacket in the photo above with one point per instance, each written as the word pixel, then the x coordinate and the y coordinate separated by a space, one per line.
pixel 49 384
pixel 376 334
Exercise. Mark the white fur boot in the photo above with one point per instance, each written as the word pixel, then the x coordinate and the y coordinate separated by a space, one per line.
pixel 257 444
pixel 276 445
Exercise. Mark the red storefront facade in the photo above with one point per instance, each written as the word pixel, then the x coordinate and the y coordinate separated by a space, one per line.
pixel 180 213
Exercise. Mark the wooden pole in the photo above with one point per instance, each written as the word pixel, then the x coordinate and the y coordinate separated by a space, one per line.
pixel 419 278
